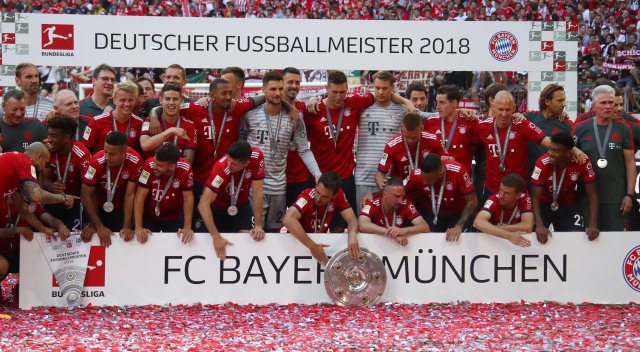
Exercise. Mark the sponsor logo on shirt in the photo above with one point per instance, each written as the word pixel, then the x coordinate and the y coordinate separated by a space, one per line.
pixel 90 173
pixel 144 177
pixel 217 181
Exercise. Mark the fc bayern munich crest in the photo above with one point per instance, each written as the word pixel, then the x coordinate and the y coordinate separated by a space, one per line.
pixel 631 268
pixel 503 46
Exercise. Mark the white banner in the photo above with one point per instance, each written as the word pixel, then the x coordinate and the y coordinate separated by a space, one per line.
pixel 478 268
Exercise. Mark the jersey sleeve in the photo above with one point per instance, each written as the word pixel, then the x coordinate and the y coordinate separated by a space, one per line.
pixel 90 136
pixel 186 181
pixel 435 146
pixel 217 180
pixel 90 177
pixel 532 132
pixel 410 211
pixel 304 204
pixel 627 141
pixel 340 202
pixel 385 161
pixel 191 110
pixel 192 142
pixel 525 204
pixel 491 205
pixel 26 171
pixel 465 183
pixel 244 105
pixel 363 100
pixel 145 178
pixel 258 169
pixel 367 209
pixel 537 177
pixel 144 131
pixel 588 174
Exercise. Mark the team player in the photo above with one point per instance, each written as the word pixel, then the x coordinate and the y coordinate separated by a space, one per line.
pixel 109 188
pixel 173 74
pixel 175 128
pixel 164 197
pixel 391 214
pixel 378 123
pixel 313 211
pixel 28 80
pixel 443 193
pixel 69 161
pixel 507 214
pixel 271 130
pixel 103 80
pixel 609 144
pixel 453 129
pixel 122 119
pixel 65 102
pixel 236 77
pixel 418 94
pixel 17 131
pixel 553 190
pixel 224 205
pixel 402 154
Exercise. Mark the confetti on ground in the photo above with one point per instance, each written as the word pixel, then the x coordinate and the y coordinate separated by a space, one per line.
pixel 398 327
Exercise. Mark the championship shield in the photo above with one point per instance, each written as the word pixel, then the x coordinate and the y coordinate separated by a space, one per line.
pixel 356 282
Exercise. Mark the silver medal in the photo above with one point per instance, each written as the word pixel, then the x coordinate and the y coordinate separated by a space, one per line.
pixel 232 210
pixel 107 207
pixel 554 206
pixel 502 168
pixel 602 163
pixel 32 207
pixel 157 211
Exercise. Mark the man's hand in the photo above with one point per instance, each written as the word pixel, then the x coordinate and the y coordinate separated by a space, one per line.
pixel 186 234
pixel 70 200
pixel 63 232
pixel 453 234
pixel 179 132
pixel 57 187
pixel 578 156
pixel 354 248
pixel 142 235
pixel 219 245
pixel 403 241
pixel 518 117
pixel 317 251
pixel 519 240
pixel 155 127
pixel 625 208
pixel 313 105
pixel 127 234
pixel 87 233
pixel 49 231
pixel 393 232
pixel 592 233
pixel 409 108
pixel 542 233
pixel 204 101
pixel 104 234
pixel 25 232
pixel 468 114
pixel 257 233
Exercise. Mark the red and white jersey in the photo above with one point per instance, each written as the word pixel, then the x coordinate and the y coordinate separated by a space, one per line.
pixel 458 183
pixel 96 175
pixel 206 154
pixel 313 215
pixel 543 176
pixel 171 205
pixel 516 159
pixel 78 165
pixel 15 168
pixel 181 143
pixel 403 216
pixel 331 156
pixel 492 205
pixel 460 147
pixel 219 180
pixel 296 170
pixel 395 160
pixel 96 133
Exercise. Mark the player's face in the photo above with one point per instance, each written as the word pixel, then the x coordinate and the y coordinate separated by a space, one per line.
pixel 503 109
pixel 14 111
pixel 222 96
pixel 446 107
pixel 507 196
pixel 431 178
pixel 104 83
pixel 603 106
pixel 383 90
pixel 558 154
pixel 555 105
pixel 147 89
pixel 336 93
pixel 236 165
pixel 114 154
pixel 161 168
pixel 411 137
pixel 273 92
pixel 235 82
pixel 57 139
pixel 419 100
pixel 618 106
pixel 68 105
pixel 29 80
pixel 291 85
pixel 174 75
pixel 393 196
pixel 125 102
pixel 323 195
pixel 170 102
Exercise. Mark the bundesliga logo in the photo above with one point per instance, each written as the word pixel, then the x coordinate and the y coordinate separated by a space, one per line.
pixel 57 37
pixel 631 268
pixel 503 46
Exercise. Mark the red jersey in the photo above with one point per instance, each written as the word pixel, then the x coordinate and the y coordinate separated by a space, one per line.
pixel 403 216
pixel 395 160
pixel 337 157
pixel 543 176
pixel 171 205
pixel 15 168
pixel 96 133
pixel 492 205
pixel 220 177
pixel 9 212
pixel 522 132
pixel 457 184
pixel 96 175
pixel 296 170
pixel 181 143
pixel 317 219
pixel 461 144
pixel 79 159
pixel 206 154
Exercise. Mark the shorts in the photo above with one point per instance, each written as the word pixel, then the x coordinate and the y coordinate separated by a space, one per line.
pixel 72 218
pixel 349 189
pixel 243 221
pixel 113 220
pixel 568 218
pixel 196 221
pixel 445 222
pixel 273 209
pixel 294 189
pixel 610 218
pixel 156 225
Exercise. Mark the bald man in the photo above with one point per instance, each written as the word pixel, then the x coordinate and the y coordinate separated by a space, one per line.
pixel 66 103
